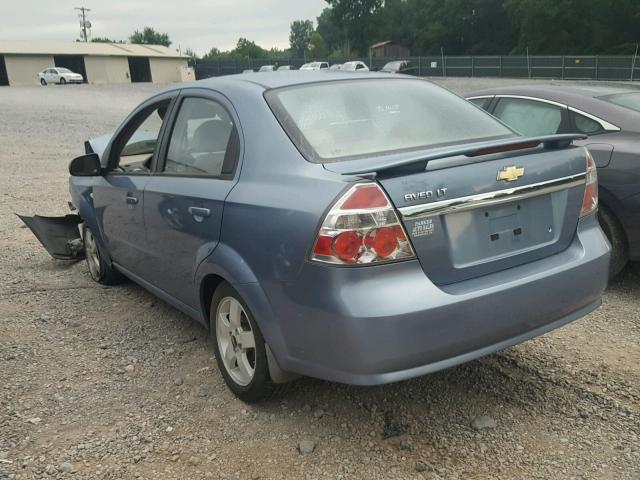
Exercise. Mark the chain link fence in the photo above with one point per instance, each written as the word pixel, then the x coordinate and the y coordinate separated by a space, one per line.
pixel 565 67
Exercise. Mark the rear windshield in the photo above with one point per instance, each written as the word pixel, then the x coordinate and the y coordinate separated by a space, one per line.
pixel 342 120
pixel 627 100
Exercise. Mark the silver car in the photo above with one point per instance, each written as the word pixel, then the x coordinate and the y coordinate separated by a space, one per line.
pixel 355 66
pixel 315 66
pixel 59 75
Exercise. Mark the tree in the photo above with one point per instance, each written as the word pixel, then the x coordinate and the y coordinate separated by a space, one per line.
pixel 214 53
pixel 191 54
pixel 329 31
pixel 105 40
pixel 317 49
pixel 149 36
pixel 300 36
pixel 247 48
pixel 356 19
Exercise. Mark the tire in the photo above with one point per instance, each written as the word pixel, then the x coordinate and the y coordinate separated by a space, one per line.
pixel 614 232
pixel 249 380
pixel 100 270
pixel 62 80
pixel 43 82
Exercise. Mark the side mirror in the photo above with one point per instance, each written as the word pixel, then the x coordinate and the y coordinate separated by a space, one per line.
pixel 85 166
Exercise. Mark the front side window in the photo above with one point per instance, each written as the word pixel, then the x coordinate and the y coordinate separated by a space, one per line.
pixel 340 120
pixel 482 102
pixel 134 150
pixel 201 140
pixel 529 117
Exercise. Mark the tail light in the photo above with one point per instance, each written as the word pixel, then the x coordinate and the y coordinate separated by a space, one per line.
pixel 590 199
pixel 362 227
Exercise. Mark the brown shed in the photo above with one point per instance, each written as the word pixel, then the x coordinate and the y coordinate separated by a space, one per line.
pixel 388 49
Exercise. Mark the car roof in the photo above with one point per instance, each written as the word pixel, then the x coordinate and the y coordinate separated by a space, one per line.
pixel 268 80
pixel 555 92
pixel 585 97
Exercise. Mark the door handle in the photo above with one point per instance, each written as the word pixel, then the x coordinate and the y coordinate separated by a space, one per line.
pixel 198 213
pixel 131 200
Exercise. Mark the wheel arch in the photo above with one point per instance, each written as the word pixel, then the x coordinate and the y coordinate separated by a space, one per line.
pixel 226 265
pixel 80 199
pixel 613 206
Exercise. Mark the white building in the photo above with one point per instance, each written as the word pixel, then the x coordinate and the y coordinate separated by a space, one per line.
pixel 20 62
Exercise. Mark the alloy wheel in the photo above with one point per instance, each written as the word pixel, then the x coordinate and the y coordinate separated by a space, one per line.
pixel 92 254
pixel 236 341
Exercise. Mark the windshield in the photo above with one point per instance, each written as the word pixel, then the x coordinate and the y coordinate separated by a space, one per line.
pixel 341 120
pixel 392 66
pixel 627 100
pixel 64 70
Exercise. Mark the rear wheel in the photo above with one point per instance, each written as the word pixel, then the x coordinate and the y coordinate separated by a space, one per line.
pixel 43 82
pixel 614 232
pixel 99 269
pixel 239 347
pixel 63 80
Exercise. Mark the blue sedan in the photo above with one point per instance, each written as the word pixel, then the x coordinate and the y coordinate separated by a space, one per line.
pixel 362 229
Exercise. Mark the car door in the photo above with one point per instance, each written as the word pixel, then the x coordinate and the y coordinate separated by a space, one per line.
pixel 49 75
pixel 118 197
pixel 184 199
pixel 55 76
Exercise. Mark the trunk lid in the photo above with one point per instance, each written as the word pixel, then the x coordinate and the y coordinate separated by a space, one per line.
pixel 472 215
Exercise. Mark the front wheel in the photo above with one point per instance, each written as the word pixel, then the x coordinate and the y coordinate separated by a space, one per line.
pixel 63 80
pixel 100 270
pixel 239 347
pixel 43 82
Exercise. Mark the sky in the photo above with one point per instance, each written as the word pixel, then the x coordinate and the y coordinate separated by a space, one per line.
pixel 195 24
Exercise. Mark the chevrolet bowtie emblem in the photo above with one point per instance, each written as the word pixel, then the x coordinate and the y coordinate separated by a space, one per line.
pixel 510 174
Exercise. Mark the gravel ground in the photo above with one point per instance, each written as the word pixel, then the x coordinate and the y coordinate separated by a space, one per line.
pixel 100 382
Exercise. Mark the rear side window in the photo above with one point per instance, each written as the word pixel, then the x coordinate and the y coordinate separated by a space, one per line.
pixel 202 140
pixel 586 125
pixel 529 117
pixel 340 120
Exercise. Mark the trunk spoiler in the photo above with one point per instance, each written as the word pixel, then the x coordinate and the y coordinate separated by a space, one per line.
pixel 373 165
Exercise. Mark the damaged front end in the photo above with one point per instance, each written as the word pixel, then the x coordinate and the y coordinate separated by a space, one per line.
pixel 60 236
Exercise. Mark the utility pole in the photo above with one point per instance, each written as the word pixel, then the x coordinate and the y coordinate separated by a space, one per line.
pixel 84 23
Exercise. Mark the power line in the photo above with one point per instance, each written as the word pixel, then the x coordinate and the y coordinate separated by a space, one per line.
pixel 84 23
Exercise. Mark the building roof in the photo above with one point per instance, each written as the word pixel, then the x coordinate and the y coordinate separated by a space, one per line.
pixel 381 44
pixel 87 48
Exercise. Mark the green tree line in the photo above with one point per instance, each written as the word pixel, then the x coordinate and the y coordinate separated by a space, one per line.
pixel 479 27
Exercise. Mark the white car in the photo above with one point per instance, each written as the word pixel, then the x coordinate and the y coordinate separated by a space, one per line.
pixel 315 66
pixel 355 66
pixel 267 68
pixel 59 75
pixel 335 66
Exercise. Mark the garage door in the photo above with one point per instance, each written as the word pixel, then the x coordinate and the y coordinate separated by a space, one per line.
pixel 140 69
pixel 75 63
pixel 4 79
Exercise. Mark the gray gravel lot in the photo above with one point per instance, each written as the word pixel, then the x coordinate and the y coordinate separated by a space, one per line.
pixel 100 382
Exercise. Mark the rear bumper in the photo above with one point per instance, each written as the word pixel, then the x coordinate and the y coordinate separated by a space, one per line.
pixel 382 324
